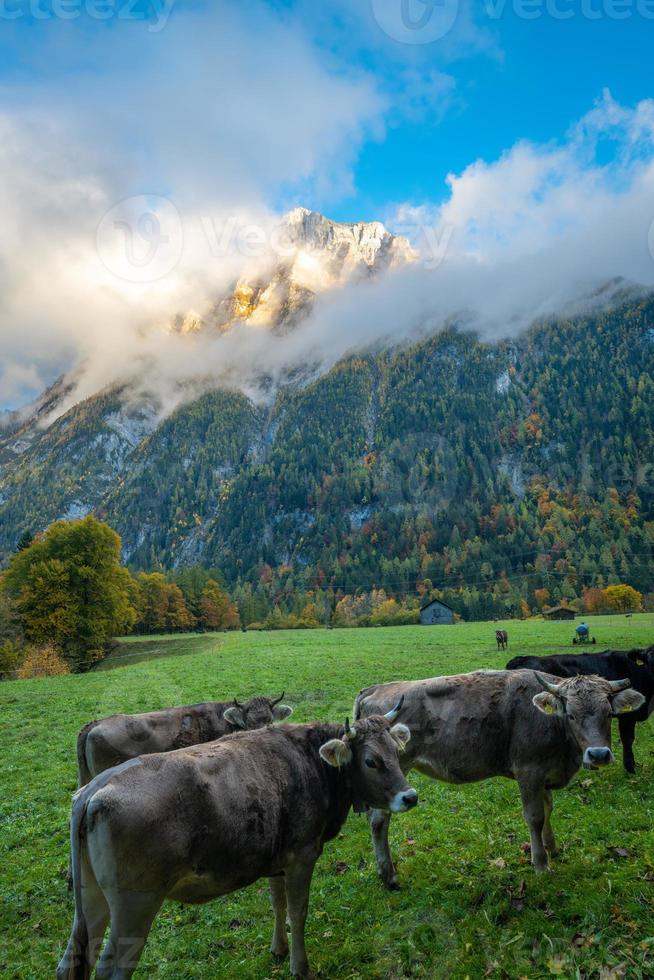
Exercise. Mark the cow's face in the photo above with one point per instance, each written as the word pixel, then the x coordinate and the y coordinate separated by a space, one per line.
pixel 643 659
pixel 587 705
pixel 370 751
pixel 256 713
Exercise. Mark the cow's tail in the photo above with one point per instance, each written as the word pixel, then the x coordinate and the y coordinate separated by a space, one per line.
pixel 84 774
pixel 75 962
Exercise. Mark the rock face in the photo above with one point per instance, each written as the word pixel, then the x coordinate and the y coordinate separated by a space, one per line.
pixel 309 254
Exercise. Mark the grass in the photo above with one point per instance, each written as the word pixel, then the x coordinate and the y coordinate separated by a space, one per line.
pixel 470 905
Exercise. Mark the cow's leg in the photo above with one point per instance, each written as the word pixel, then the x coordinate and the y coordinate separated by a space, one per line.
pixel 627 728
pixel 533 807
pixel 379 821
pixel 88 932
pixel 298 882
pixel 132 915
pixel 279 945
pixel 548 833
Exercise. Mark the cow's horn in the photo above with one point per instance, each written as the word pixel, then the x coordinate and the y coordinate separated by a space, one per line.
pixel 619 685
pixel 277 700
pixel 394 712
pixel 348 731
pixel 552 688
pixel 238 704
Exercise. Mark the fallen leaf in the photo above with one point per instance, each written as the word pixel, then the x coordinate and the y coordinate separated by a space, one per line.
pixel 558 964
pixel 613 972
pixel 619 852
pixel 341 867
pixel 498 863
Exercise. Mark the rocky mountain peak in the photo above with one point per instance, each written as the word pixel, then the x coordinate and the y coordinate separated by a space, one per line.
pixel 311 255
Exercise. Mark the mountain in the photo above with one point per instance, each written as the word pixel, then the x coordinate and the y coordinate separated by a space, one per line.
pixel 508 470
pixel 310 254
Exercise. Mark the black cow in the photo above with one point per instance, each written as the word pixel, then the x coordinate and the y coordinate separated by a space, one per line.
pixel 637 665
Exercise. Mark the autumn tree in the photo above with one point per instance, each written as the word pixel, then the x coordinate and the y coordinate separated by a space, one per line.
pixel 622 598
pixel 70 589
pixel 161 605
pixel 217 611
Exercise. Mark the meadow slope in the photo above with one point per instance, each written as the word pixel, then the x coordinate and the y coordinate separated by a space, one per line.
pixel 470 905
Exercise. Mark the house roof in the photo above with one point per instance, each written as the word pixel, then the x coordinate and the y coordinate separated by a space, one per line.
pixel 431 603
pixel 558 609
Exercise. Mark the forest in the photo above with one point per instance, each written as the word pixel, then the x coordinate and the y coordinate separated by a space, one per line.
pixel 502 477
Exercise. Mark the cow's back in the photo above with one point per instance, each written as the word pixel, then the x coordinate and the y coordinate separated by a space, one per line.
pixel 230 810
pixel 111 741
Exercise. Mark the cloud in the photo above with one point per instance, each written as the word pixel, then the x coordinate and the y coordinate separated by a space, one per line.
pixel 218 113
pixel 214 120
pixel 537 232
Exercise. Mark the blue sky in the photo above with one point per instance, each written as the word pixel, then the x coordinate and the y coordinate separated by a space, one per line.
pixel 498 76
pixel 540 77
pixel 511 140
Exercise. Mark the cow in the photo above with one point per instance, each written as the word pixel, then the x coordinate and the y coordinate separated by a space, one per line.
pixel 524 725
pixel 637 665
pixel 197 823
pixel 502 638
pixel 110 741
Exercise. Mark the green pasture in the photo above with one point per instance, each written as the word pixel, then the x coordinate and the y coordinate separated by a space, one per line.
pixel 470 905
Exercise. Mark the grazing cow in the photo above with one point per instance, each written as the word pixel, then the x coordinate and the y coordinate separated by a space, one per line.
pixel 106 743
pixel 637 665
pixel 521 724
pixel 198 823
pixel 502 638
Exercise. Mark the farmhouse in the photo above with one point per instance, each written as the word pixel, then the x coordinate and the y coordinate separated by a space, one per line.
pixel 436 613
pixel 559 612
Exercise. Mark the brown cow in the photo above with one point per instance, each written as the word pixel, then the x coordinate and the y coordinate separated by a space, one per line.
pixel 106 743
pixel 198 823
pixel 527 726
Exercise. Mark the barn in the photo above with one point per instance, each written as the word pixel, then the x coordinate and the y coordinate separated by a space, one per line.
pixel 436 613
pixel 559 612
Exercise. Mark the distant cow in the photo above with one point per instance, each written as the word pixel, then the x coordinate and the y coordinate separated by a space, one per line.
pixel 199 823
pixel 106 743
pixel 502 638
pixel 637 665
pixel 497 723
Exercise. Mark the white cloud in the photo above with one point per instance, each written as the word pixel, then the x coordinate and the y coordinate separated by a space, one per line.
pixel 218 112
pixel 221 122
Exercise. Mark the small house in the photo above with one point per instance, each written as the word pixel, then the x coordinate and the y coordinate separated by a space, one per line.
pixel 559 612
pixel 436 613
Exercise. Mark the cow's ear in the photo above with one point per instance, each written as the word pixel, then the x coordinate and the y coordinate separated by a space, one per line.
pixel 336 753
pixel 548 703
pixel 281 711
pixel 628 700
pixel 234 716
pixel 401 736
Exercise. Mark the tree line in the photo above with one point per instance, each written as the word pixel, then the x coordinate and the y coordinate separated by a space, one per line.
pixel 66 593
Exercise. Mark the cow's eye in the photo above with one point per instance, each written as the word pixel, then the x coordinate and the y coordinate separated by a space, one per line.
pixel 371 763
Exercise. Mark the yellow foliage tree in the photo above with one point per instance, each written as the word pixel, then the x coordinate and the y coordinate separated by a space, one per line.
pixel 623 598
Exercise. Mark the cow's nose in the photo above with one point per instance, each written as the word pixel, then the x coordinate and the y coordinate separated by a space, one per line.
pixel 598 756
pixel 410 799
